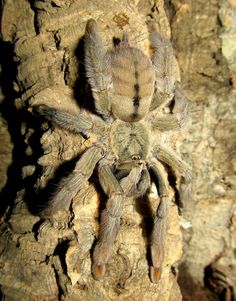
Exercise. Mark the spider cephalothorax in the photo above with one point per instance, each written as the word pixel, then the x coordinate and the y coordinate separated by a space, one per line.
pixel 129 90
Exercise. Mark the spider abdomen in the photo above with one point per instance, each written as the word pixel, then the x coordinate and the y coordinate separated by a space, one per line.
pixel 130 141
pixel 133 84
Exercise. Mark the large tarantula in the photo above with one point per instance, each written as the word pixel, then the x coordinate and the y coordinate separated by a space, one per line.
pixel 129 90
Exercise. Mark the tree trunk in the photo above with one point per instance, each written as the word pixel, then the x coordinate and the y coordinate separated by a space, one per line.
pixel 38 261
pixel 43 63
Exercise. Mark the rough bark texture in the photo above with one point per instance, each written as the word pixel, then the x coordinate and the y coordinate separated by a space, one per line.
pixel 202 34
pixel 38 261
pixel 43 49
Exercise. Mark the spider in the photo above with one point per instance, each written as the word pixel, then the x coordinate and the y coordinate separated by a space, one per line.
pixel 130 90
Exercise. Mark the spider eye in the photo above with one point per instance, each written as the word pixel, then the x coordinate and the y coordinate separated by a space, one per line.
pixel 135 157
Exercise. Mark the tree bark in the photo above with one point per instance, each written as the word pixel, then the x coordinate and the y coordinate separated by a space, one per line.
pixel 43 63
pixel 38 261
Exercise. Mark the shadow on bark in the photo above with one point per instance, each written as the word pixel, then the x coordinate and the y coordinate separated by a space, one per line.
pixel 15 119
pixel 83 95
pixel 192 290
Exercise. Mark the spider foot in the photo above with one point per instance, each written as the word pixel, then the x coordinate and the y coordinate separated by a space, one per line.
pixel 91 24
pixel 98 271
pixel 152 25
pixel 155 274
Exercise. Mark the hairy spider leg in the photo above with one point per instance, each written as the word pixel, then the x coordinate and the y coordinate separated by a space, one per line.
pixel 78 180
pixel 82 122
pixel 169 157
pixel 97 64
pixel 110 221
pixel 179 115
pixel 160 221
pixel 110 218
pixel 137 182
pixel 165 67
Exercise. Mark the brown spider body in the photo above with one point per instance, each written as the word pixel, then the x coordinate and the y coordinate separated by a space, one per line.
pixel 133 84
pixel 129 89
pixel 130 141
